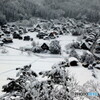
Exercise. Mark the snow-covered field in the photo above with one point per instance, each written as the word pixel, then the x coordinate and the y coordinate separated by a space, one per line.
pixel 40 62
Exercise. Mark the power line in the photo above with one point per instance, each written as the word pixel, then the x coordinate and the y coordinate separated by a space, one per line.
pixel 7 71
pixel 20 50
pixel 33 53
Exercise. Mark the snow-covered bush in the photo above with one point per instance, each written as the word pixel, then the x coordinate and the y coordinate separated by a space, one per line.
pixel 33 43
pixel 76 32
pixel 75 45
pixel 68 46
pixel 37 49
pixel 4 51
pixel 73 53
pixel 55 47
pixel 64 84
pixel 62 64
pixel 56 75
pixel 87 58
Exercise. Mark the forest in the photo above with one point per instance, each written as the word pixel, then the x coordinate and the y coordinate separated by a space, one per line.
pixel 13 10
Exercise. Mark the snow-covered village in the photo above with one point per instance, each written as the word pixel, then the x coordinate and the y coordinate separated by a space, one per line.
pixel 49 57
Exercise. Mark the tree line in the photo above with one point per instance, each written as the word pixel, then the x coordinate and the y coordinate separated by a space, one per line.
pixel 13 10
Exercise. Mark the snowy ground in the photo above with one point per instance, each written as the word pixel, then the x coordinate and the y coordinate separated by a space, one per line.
pixel 40 62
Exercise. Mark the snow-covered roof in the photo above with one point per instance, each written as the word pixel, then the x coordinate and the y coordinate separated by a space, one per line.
pixel 1 32
pixel 88 52
pixel 86 43
pixel 97 66
pixel 98 41
pixel 72 59
pixel 1 42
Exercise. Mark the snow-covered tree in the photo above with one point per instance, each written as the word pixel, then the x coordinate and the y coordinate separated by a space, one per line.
pixel 21 86
pixel 55 47
pixel 59 85
pixel 37 49
pixel 33 43
pixel 87 58
pixel 73 53
pixel 75 45
pixel 4 50
pixel 63 83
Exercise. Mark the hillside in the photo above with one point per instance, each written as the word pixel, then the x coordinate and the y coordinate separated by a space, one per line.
pixel 13 10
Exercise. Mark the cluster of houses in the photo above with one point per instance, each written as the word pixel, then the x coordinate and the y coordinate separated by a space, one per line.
pixel 52 29
pixel 97 47
pixel 88 31
pixel 90 36
pixel 10 32
pixel 5 35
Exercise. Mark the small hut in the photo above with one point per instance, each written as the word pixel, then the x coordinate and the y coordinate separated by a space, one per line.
pixel 97 66
pixel 1 43
pixel 45 46
pixel 53 34
pixel 73 61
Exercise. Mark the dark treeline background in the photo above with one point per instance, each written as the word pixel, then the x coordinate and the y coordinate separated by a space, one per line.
pixel 13 10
